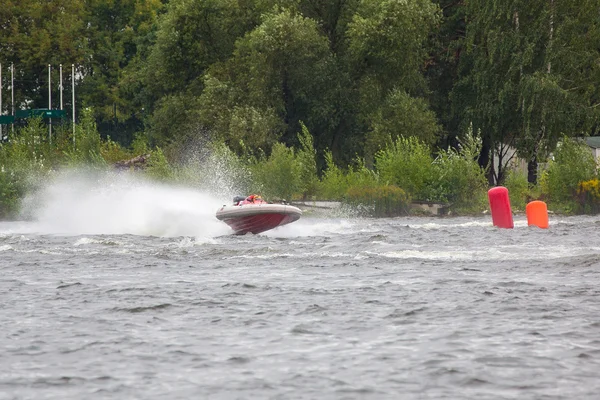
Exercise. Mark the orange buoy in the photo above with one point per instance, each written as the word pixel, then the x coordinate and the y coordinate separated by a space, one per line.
pixel 500 207
pixel 537 214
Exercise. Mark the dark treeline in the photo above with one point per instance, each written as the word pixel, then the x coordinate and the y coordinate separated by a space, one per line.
pixel 357 73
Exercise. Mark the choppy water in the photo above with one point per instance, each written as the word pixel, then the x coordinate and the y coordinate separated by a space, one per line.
pixel 325 308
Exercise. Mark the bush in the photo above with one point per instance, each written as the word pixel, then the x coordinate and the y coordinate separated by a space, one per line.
pixel 87 147
pixel 335 182
pixel 407 163
pixel 158 167
pixel 9 195
pixel 518 188
pixel 279 175
pixel 573 163
pixel 286 173
pixel 588 196
pixel 112 152
pixel 306 157
pixel 460 180
pixel 333 185
pixel 360 176
pixel 379 201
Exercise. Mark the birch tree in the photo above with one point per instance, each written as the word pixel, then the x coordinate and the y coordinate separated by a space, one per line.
pixel 529 75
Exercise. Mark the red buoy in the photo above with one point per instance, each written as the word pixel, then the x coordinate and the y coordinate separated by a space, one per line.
pixel 537 214
pixel 500 207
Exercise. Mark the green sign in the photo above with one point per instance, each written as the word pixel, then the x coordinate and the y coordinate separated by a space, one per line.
pixel 7 119
pixel 40 112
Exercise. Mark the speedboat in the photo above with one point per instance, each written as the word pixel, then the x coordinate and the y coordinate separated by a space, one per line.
pixel 253 214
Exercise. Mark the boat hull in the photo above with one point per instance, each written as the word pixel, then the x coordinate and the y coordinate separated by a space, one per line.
pixel 257 218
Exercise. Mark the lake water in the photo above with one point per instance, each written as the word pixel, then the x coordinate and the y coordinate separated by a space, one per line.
pixel 108 297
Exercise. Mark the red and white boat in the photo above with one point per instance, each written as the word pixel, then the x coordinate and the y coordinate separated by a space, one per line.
pixel 253 214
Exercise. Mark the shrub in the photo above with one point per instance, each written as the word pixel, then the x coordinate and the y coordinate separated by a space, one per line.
pixel 306 157
pixel 279 175
pixel 139 145
pixel 9 194
pixel 112 152
pixel 333 185
pixel 573 163
pixel 335 182
pixel 407 163
pixel 158 167
pixel 518 188
pixel 460 180
pixel 360 176
pixel 588 196
pixel 87 148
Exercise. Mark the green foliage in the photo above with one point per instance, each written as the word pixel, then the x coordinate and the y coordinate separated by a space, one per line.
pixel 359 75
pixel 36 33
pixel 116 36
pixel 28 149
pixel 518 189
pixel 191 37
pixel 359 175
pixel 386 38
pixel 140 144
pixel 401 115
pixel 112 152
pixel 286 173
pixel 407 163
pixel 9 193
pixel 24 160
pixel 573 163
pixel 459 179
pixel 379 201
pixel 280 73
pixel 173 120
pixel 522 78
pixel 158 167
pixel 588 196
pixel 333 184
pixel 87 148
pixel 279 175
pixel 306 156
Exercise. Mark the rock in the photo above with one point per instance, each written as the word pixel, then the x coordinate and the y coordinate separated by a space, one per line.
pixel 138 162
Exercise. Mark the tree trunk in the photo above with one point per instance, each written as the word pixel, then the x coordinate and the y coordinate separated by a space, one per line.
pixel 532 167
pixel 484 159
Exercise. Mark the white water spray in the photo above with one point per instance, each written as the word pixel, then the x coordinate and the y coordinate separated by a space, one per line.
pixel 121 203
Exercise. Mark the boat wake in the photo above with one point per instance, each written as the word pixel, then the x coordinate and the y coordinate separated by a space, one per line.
pixel 76 203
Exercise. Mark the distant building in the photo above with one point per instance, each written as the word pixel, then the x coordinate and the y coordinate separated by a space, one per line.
pixel 594 143
pixel 519 164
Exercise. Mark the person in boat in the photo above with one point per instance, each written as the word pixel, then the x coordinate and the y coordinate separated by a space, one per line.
pixel 253 198
pixel 237 200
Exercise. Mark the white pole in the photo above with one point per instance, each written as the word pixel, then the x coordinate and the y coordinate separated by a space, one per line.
pixel 73 94
pixel 50 102
pixel 12 92
pixel 61 88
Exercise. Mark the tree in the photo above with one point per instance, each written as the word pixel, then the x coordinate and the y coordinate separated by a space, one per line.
pixel 191 36
pixel 280 73
pixel 446 48
pixel 526 78
pixel 332 17
pixel 34 34
pixel 115 31
pixel 401 114
pixel 388 54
